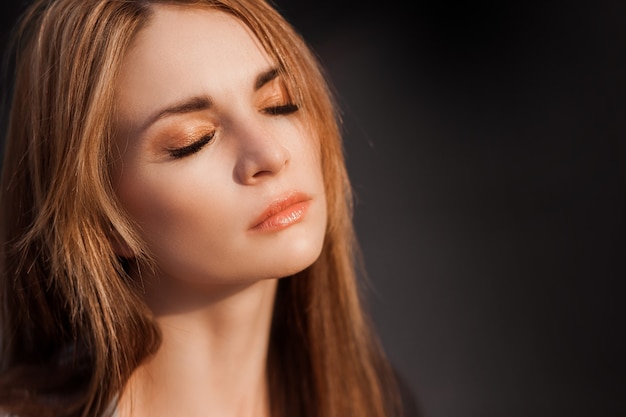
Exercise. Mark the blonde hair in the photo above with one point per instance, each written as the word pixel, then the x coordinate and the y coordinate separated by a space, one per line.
pixel 73 325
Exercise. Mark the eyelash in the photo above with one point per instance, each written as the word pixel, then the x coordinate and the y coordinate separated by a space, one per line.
pixel 178 153
pixel 192 148
pixel 281 110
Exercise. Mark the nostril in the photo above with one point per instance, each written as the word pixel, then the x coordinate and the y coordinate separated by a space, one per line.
pixel 276 168
pixel 262 174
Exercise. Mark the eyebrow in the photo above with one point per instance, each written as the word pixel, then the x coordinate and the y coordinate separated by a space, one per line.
pixel 265 77
pixel 189 105
pixel 199 103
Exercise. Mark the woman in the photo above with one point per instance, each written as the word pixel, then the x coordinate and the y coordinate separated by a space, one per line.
pixel 176 220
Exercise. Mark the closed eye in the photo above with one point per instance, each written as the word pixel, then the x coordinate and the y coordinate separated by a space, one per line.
pixel 283 109
pixel 192 148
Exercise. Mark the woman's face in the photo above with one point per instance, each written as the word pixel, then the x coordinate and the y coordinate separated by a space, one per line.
pixel 215 164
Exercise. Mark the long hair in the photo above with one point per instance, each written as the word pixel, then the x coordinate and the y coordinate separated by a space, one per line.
pixel 73 325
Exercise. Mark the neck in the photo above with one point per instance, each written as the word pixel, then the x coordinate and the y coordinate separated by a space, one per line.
pixel 212 360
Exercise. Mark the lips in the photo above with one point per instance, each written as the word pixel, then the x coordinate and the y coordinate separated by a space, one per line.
pixel 283 212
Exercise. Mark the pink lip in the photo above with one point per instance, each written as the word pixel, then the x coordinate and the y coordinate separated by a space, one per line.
pixel 283 212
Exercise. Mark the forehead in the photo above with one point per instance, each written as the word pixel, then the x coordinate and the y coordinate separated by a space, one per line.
pixel 185 51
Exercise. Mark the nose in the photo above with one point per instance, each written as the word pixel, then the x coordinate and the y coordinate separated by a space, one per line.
pixel 260 155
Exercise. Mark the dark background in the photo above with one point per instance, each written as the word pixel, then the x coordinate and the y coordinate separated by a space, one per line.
pixel 486 142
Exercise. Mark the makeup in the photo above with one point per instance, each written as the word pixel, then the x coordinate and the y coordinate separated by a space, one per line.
pixel 282 213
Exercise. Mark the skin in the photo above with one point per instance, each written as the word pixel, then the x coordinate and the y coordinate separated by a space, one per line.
pixel 196 205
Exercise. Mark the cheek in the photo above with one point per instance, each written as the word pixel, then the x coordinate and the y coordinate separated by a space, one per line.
pixel 309 150
pixel 185 225
pixel 168 205
pixel 149 198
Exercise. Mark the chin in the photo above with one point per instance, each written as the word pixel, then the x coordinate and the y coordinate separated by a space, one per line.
pixel 298 256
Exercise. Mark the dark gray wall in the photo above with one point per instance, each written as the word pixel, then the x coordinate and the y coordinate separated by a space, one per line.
pixel 486 143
